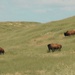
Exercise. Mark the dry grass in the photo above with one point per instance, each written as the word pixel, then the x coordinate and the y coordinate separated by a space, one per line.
pixel 25 45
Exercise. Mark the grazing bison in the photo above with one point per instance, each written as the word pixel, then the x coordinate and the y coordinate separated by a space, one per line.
pixel 1 50
pixel 68 33
pixel 54 47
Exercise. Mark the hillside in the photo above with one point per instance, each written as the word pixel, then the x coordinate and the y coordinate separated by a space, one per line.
pixel 25 45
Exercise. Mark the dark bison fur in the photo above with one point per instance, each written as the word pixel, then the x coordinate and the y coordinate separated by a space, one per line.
pixel 2 51
pixel 54 47
pixel 68 33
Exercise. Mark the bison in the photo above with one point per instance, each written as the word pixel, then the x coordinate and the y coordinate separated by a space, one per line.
pixel 54 47
pixel 2 51
pixel 68 33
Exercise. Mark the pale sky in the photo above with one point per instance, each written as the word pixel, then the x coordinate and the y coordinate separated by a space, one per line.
pixel 36 10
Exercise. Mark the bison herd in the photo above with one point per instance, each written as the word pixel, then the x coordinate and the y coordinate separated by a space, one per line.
pixel 54 46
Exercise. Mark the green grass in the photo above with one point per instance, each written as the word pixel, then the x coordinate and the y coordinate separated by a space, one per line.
pixel 25 45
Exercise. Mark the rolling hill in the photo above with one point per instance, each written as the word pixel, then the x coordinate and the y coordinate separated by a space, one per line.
pixel 25 45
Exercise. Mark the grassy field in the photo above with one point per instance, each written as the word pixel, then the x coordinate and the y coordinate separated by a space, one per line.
pixel 25 45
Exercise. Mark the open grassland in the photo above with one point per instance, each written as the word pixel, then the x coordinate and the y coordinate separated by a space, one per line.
pixel 25 45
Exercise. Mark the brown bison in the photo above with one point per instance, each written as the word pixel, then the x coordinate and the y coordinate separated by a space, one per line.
pixel 54 47
pixel 68 33
pixel 2 51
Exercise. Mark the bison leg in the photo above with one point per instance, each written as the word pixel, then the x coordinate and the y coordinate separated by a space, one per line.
pixel 2 52
pixel 60 48
pixel 53 50
pixel 48 50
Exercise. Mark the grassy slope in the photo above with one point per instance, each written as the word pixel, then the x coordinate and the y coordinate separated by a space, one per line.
pixel 25 45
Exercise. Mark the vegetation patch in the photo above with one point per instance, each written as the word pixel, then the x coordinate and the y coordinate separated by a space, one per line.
pixel 26 52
